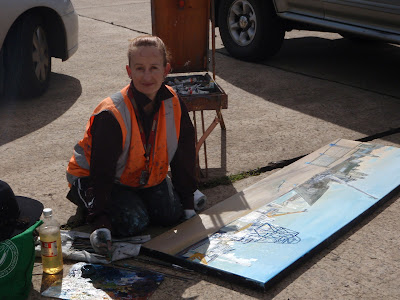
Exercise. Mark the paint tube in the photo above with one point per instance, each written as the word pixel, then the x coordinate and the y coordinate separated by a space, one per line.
pixel 191 86
pixel 199 91
pixel 187 80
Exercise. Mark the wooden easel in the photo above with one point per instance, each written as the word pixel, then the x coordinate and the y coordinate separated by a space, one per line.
pixel 172 20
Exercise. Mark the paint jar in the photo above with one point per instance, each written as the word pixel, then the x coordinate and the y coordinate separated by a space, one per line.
pixel 50 242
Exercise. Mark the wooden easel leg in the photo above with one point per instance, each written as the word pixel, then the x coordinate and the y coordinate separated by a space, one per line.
pixel 199 174
pixel 197 152
pixel 205 146
pixel 202 140
pixel 221 119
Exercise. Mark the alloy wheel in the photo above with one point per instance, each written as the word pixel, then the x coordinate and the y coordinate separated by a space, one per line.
pixel 242 22
pixel 40 54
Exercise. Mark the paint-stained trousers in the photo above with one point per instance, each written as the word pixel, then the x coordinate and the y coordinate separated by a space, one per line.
pixel 132 210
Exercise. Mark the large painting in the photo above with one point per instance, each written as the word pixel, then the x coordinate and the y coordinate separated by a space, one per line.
pixel 319 196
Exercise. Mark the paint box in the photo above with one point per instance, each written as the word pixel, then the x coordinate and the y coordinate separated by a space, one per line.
pixel 184 26
pixel 199 92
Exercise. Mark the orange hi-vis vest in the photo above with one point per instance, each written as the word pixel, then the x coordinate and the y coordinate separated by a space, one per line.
pixel 131 162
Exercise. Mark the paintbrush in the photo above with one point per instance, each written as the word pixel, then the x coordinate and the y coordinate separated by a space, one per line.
pixel 163 264
pixel 134 268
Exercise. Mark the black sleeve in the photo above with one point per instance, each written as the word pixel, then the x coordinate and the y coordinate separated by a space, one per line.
pixel 106 149
pixel 184 161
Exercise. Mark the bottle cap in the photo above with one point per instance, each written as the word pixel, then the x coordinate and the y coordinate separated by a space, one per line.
pixel 47 212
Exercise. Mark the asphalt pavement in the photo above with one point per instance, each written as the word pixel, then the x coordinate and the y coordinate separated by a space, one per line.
pixel 320 87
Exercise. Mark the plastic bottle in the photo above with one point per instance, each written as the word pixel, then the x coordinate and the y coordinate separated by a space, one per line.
pixel 50 242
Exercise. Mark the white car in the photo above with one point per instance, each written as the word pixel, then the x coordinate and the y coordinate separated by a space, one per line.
pixel 31 32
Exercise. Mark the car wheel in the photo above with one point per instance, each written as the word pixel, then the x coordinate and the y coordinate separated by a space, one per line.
pixel 250 29
pixel 28 59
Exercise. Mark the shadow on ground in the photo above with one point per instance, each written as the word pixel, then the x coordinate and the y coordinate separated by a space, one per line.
pixel 368 65
pixel 19 117
pixel 341 65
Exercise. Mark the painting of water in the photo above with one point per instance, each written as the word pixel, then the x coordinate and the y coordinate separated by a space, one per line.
pixel 347 179
pixel 261 244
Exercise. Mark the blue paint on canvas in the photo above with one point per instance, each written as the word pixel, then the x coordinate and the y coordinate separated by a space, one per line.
pixel 263 243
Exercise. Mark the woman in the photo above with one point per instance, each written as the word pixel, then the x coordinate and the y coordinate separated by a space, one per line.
pixel 118 173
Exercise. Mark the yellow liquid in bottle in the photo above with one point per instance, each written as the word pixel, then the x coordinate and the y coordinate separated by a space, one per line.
pixel 50 241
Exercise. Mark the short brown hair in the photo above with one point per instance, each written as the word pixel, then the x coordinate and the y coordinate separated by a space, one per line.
pixel 148 41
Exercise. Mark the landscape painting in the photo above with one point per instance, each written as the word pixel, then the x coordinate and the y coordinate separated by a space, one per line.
pixel 264 242
pixel 286 215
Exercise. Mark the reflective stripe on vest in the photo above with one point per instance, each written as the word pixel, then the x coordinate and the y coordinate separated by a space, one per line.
pixel 80 157
pixel 118 100
pixel 172 139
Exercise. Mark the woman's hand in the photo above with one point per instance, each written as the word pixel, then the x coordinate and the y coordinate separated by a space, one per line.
pixel 189 213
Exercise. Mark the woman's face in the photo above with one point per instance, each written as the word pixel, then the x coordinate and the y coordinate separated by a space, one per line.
pixel 147 71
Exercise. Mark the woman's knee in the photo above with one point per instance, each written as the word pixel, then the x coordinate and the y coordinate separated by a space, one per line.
pixel 130 222
pixel 169 213
pixel 129 215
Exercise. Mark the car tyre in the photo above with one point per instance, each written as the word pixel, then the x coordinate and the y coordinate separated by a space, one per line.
pixel 27 58
pixel 250 29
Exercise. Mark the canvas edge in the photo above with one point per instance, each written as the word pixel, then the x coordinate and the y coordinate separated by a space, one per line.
pixel 265 286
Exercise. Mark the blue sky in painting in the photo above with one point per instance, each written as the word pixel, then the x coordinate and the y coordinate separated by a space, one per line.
pixel 383 172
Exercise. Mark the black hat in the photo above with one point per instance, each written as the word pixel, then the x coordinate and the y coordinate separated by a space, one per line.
pixel 16 213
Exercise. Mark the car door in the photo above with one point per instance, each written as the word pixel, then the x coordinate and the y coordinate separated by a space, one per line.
pixel 383 15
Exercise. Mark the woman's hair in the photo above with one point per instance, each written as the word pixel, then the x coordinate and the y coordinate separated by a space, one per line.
pixel 148 41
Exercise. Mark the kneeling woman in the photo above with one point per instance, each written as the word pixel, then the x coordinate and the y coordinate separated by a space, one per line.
pixel 118 172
